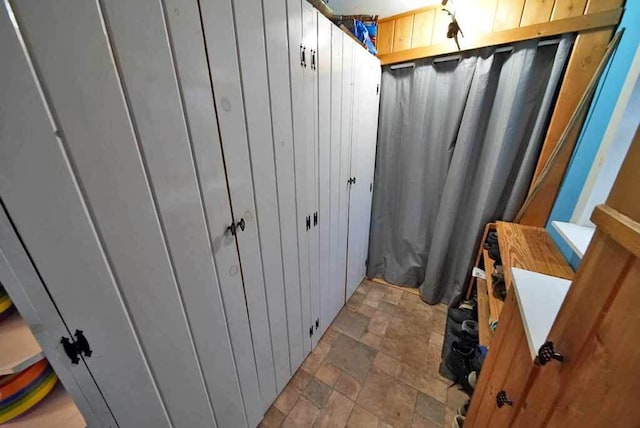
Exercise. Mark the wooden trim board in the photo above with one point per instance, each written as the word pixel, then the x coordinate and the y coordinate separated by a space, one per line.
pixel 568 25
pixel 621 228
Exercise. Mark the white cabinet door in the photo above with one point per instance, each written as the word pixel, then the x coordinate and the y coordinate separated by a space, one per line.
pixel 220 28
pixel 349 136
pixel 363 149
pixel 338 177
pixel 275 21
pixel 326 313
pixel 255 83
pixel 170 140
pixel 310 40
pixel 87 249
pixel 299 61
pixel 370 143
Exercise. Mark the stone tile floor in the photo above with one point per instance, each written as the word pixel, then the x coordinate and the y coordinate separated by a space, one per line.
pixel 376 366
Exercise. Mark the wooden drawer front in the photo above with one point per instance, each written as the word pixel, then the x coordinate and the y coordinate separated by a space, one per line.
pixel 507 368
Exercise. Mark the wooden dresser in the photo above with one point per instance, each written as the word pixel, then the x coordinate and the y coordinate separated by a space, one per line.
pixel 595 332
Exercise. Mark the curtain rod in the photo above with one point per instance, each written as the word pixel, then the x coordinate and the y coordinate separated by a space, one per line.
pixel 403 65
pixel 458 57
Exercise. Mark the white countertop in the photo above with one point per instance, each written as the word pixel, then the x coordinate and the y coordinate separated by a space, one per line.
pixel 578 237
pixel 539 297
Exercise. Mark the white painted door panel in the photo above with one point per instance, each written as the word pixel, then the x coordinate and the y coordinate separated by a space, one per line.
pixel 41 190
pixel 371 143
pixel 298 61
pixel 326 313
pixel 170 143
pixel 345 158
pixel 253 67
pixel 220 36
pixel 364 133
pixel 338 183
pixel 275 20
pixel 310 38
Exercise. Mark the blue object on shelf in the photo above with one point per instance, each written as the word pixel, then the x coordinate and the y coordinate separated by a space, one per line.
pixel 362 33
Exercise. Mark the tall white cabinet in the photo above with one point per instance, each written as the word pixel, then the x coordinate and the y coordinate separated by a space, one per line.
pixel 190 185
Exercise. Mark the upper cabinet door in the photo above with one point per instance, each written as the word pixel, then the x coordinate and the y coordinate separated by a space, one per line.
pixel 171 100
pixel 310 37
pixel 49 127
pixel 301 99
pixel 275 21
pixel 327 311
pixel 255 81
pixel 238 73
pixel 338 181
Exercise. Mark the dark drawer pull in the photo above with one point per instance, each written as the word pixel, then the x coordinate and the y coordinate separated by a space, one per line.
pixel 501 399
pixel 546 353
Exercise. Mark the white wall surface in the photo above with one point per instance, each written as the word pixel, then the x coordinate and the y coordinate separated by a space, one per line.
pixel 382 8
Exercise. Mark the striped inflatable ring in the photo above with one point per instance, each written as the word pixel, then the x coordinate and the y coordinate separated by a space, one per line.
pixel 24 391
pixel 29 400
pixel 5 303
pixel 14 383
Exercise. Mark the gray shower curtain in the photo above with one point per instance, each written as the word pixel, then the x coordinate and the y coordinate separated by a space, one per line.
pixel 457 145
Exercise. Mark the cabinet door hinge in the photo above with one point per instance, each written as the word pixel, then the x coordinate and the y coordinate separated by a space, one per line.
pixel 76 348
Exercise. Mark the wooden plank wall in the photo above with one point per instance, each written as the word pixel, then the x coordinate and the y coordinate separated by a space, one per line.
pixel 404 36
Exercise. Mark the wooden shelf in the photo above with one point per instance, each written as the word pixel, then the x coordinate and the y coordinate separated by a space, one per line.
pixel 56 410
pixel 578 237
pixel 19 348
pixel 495 305
pixel 530 248
pixel 485 333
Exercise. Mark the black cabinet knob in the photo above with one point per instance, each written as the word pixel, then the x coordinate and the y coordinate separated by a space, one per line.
pixel 502 399
pixel 546 353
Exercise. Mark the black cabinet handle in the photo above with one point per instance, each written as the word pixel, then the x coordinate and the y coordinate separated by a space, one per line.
pixel 502 399
pixel 354 180
pixel 303 56
pixel 546 353
pixel 234 226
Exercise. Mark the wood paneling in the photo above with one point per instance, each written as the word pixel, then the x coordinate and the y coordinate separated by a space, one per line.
pixel 476 17
pixel 440 23
pixel 422 32
pixel 567 8
pixel 508 14
pixel 536 11
pixel 422 28
pixel 402 34
pixel 385 36
pixel 605 20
